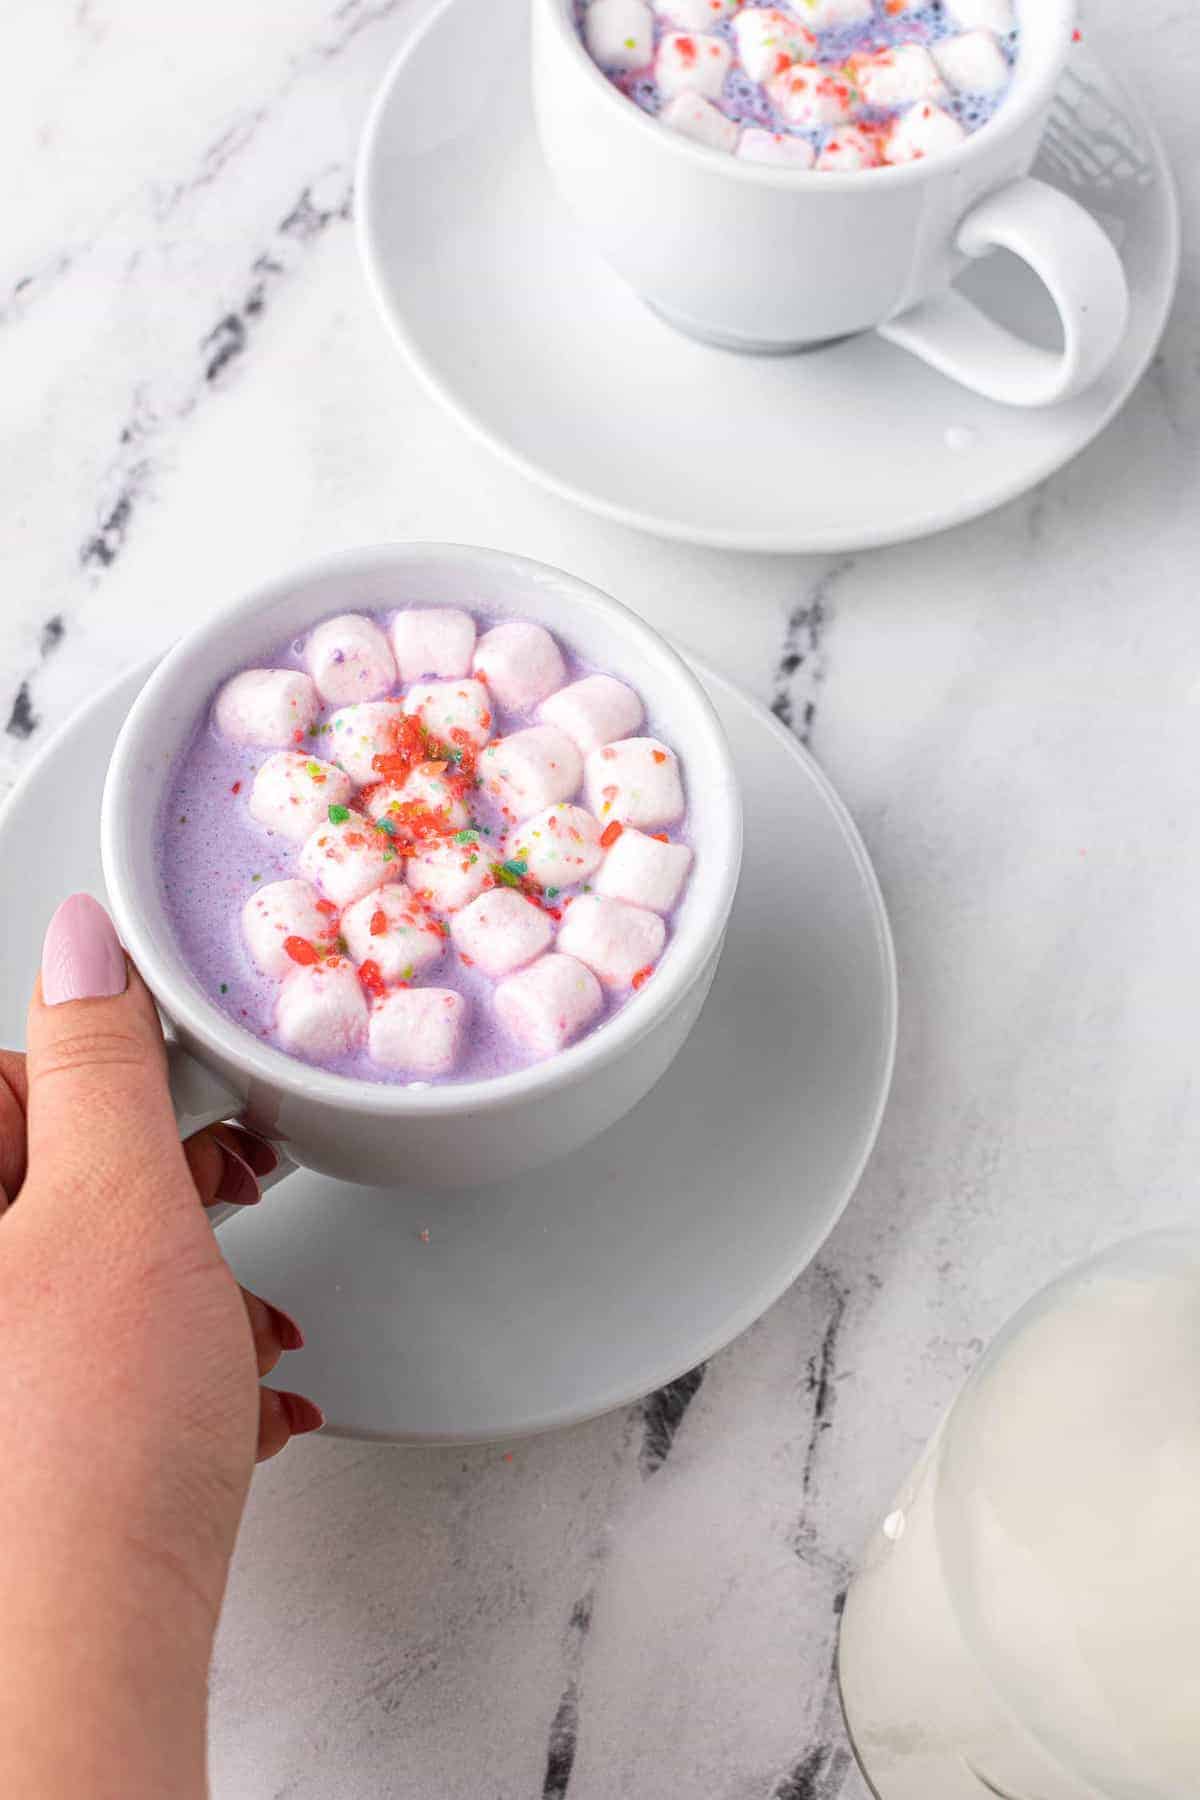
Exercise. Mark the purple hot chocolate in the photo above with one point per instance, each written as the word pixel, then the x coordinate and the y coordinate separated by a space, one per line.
pixel 416 847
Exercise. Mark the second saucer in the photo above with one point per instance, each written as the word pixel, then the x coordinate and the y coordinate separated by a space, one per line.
pixel 511 317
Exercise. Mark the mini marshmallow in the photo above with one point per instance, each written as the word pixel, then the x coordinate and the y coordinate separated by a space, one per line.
pixel 530 770
pixel 292 793
pixel 433 641
pixel 520 663
pixel 899 76
pixel 424 789
pixel 348 859
pixel 500 931
pixel 421 1030
pixel 283 910
pixel 449 876
pixel 688 64
pixel 445 707
pixel 775 148
pixel 810 96
pixel 635 782
pixel 619 34
pixel 546 1006
pixel 321 1011
pixel 695 15
pixel 923 130
pixel 848 150
pixel 267 707
pixel 770 41
pixel 597 710
pixel 615 940
pixel 350 659
pixel 973 63
pixel 692 116
pixel 358 734
pixel 823 15
pixel 985 15
pixel 558 847
pixel 391 929
pixel 644 871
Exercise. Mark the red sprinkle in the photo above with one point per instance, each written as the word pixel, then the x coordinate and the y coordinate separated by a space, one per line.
pixel 328 908
pixel 660 837
pixel 297 737
pixel 643 975
pixel 371 976
pixel 300 950
pixel 660 756
pixel 378 922
pixel 236 788
pixel 610 834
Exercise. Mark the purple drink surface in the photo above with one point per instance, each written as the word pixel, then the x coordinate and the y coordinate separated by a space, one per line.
pixel 213 856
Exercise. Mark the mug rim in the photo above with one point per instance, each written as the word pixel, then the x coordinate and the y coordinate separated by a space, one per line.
pixel 1017 110
pixel 202 1023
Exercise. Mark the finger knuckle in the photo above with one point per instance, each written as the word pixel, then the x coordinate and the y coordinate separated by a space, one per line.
pixel 80 1051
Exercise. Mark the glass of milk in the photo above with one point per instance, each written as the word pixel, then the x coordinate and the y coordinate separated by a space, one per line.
pixel 1026 1623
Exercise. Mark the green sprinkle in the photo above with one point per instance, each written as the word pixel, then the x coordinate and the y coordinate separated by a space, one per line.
pixel 338 815
pixel 315 730
pixel 314 768
pixel 224 987
pixel 518 865
pixel 385 825
pixel 342 947
pixel 389 856
pixel 408 973
pixel 256 878
pixel 587 887
pixel 552 893
pixel 505 875
pixel 467 836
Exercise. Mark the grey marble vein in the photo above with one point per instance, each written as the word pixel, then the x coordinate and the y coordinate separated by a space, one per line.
pixel 802 664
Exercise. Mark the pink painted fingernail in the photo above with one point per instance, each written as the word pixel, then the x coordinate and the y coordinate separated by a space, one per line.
pixel 82 958
pixel 238 1185
pixel 302 1414
pixel 287 1330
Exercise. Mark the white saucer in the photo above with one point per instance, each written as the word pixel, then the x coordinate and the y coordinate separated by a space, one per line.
pixel 530 339
pixel 545 1301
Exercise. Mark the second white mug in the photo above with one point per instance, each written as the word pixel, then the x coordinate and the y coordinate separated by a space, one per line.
pixel 759 258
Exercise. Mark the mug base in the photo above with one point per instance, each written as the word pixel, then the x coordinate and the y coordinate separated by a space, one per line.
pixel 745 346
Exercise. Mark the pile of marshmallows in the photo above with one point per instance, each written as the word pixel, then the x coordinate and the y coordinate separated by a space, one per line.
pixel 378 897
pixel 777 49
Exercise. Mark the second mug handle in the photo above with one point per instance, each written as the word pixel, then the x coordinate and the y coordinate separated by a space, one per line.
pixel 201 1098
pixel 1074 258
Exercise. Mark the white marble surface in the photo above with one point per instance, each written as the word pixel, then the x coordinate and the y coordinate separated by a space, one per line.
pixel 196 392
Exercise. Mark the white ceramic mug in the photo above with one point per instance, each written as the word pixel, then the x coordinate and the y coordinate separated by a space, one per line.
pixel 465 1132
pixel 758 258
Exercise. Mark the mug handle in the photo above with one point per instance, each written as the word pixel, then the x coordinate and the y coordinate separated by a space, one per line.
pixel 1072 255
pixel 201 1098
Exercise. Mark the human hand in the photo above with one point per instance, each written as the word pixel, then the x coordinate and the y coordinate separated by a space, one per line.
pixel 130 1406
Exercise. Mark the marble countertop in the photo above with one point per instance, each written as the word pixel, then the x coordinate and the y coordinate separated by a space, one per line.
pixel 197 393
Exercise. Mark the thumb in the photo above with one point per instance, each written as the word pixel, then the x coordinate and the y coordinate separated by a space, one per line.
pixel 102 1136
